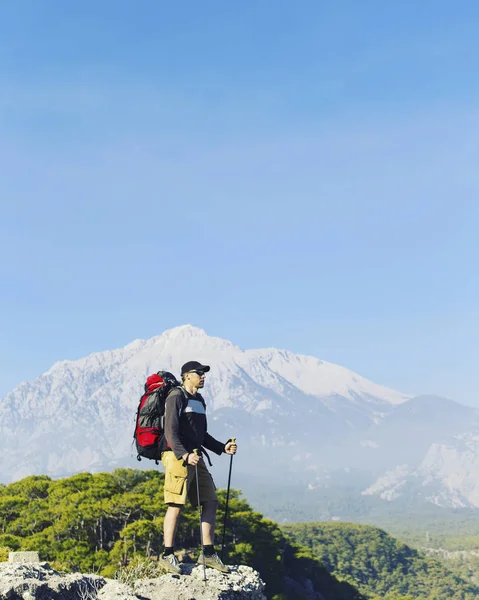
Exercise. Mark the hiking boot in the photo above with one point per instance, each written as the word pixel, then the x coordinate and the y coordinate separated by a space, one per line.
pixel 215 562
pixel 170 563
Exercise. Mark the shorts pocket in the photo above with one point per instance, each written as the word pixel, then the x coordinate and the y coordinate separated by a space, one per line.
pixel 176 474
pixel 174 484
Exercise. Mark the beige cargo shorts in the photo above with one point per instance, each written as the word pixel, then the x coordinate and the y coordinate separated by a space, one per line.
pixel 180 481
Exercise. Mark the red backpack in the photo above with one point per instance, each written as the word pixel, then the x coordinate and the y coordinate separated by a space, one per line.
pixel 149 429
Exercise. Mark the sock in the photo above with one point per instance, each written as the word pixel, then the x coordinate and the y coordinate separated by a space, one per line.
pixel 167 551
pixel 208 550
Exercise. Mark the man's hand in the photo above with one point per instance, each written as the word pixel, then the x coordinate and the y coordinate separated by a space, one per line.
pixel 193 459
pixel 231 447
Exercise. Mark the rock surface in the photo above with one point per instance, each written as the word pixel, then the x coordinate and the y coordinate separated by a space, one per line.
pixel 41 582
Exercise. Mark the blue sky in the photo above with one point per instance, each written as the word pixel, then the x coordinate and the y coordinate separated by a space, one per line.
pixel 299 175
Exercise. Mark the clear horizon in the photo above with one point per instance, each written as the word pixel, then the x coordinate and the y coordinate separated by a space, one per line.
pixel 302 179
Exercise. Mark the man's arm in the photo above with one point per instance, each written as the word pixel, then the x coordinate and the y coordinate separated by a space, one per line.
pixel 210 443
pixel 173 409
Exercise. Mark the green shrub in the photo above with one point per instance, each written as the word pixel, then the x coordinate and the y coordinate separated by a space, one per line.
pixel 4 550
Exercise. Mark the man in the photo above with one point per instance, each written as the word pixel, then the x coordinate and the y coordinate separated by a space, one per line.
pixel 185 431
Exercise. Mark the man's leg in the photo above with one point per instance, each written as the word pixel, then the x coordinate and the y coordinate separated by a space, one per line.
pixel 209 503
pixel 168 559
pixel 208 522
pixel 175 497
pixel 171 523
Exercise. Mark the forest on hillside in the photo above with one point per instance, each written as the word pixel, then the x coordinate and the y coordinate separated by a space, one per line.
pixel 101 522
pixel 379 565
pixel 450 535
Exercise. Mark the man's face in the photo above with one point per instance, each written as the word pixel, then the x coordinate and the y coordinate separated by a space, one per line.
pixel 196 378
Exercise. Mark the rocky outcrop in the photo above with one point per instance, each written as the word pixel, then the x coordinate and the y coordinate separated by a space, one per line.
pixel 40 582
pixel 30 581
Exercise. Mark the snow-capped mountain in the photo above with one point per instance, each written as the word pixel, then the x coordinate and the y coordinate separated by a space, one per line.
pixel 79 414
pixel 295 416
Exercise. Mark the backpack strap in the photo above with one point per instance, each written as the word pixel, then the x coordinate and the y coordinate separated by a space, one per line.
pixel 185 399
pixel 183 405
pixel 203 451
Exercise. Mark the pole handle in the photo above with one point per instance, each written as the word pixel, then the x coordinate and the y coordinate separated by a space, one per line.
pixel 195 451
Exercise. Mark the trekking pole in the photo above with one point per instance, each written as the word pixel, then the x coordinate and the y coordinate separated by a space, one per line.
pixel 199 513
pixel 227 500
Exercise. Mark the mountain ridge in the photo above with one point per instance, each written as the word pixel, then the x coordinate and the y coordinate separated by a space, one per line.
pixel 79 414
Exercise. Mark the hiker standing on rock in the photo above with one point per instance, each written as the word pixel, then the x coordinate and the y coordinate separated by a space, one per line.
pixel 186 430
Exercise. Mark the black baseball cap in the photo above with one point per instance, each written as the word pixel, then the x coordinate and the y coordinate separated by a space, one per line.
pixel 194 365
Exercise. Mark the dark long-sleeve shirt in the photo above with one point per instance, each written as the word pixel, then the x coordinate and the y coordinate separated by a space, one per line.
pixel 186 428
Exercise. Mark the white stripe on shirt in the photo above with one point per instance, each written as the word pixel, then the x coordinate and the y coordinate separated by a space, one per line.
pixel 195 406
